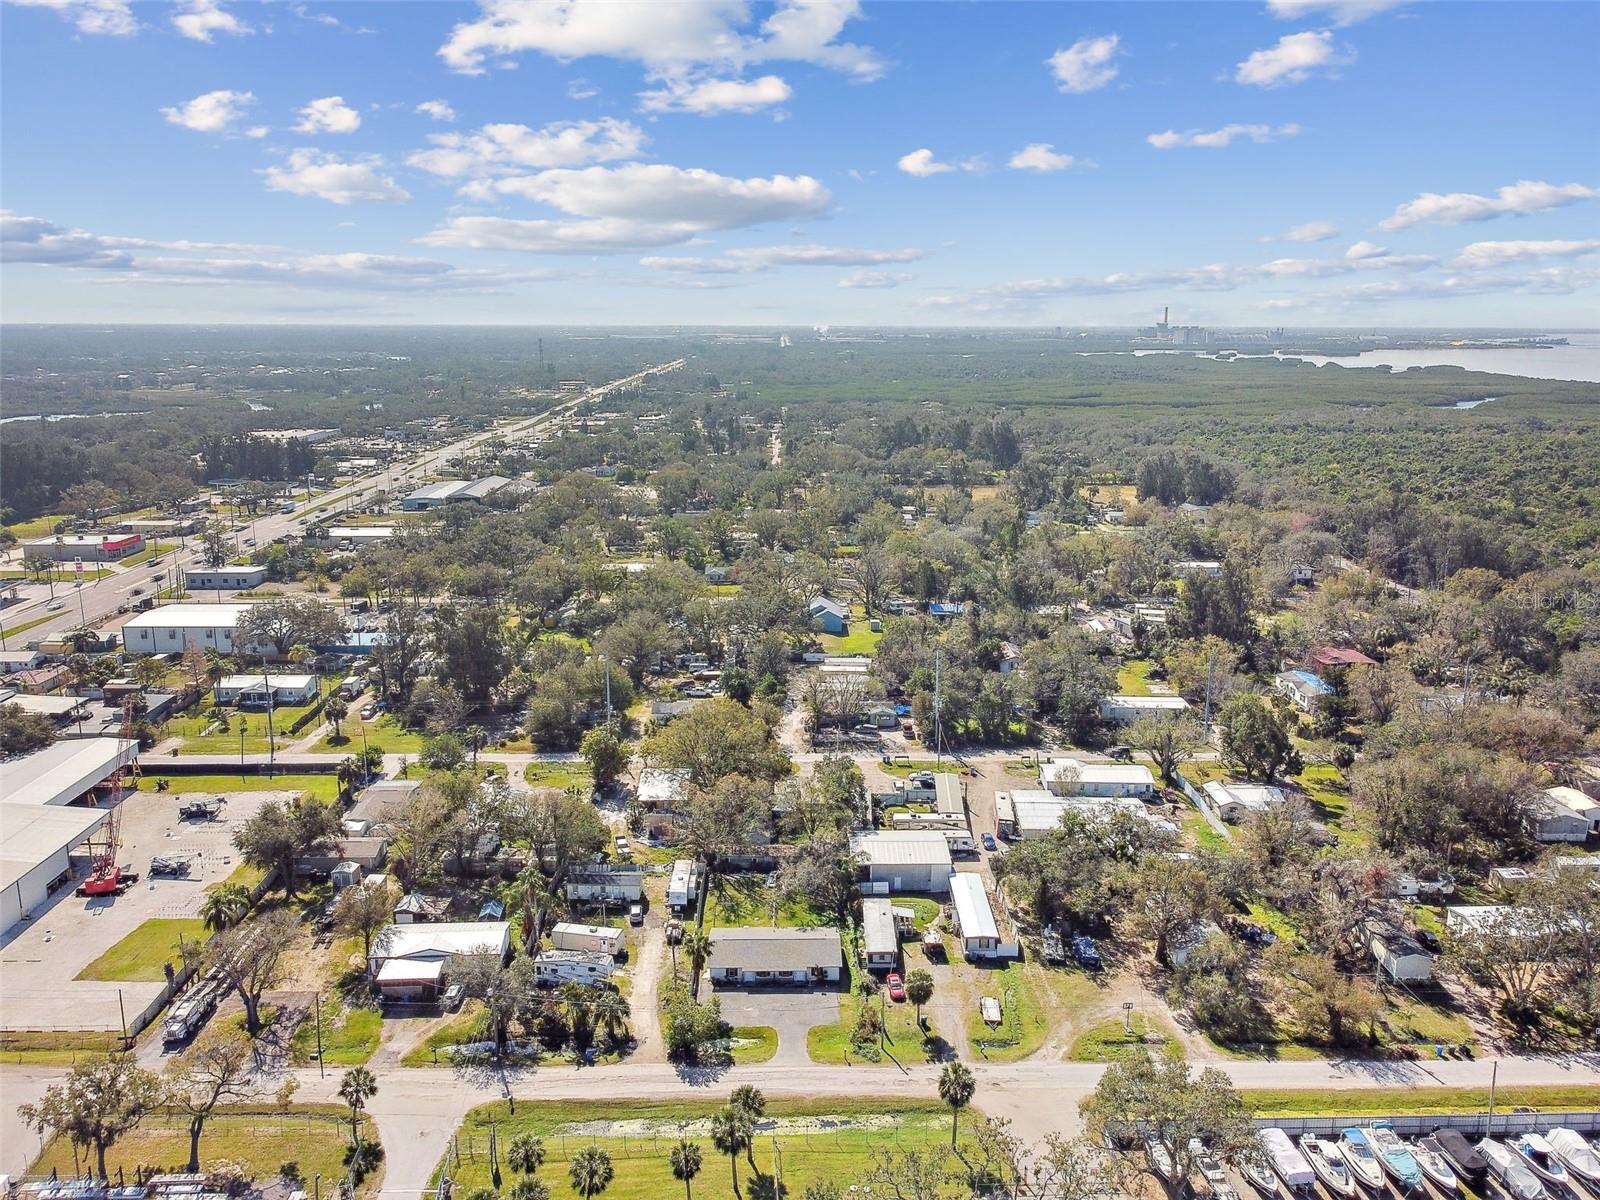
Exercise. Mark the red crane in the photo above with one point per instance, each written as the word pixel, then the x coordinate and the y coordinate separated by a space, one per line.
pixel 106 878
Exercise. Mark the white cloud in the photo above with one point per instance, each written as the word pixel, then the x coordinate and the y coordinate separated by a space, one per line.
pixel 581 89
pixel 1039 156
pixel 922 163
pixel 1525 196
pixel 1340 12
pixel 439 110
pixel 330 114
pixel 36 240
pixel 113 17
pixel 875 279
pixel 632 207
pixel 1492 254
pixel 1217 139
pixel 751 259
pixel 1295 58
pixel 1365 250
pixel 200 20
pixel 328 177
pixel 666 38
pixel 1086 64
pixel 1311 231
pixel 708 97
pixel 501 148
pixel 211 112
pixel 257 131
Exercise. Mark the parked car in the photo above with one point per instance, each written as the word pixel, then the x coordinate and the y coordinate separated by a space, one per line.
pixel 1085 953
pixel 896 986
pixel 1429 941
pixel 369 712
pixel 622 847
pixel 636 913
pixel 1120 754
pixel 453 996
pixel 989 843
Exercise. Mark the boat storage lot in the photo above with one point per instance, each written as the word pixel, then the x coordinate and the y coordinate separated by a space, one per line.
pixel 41 957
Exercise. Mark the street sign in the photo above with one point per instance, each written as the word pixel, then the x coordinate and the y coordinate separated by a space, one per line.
pixel 77 565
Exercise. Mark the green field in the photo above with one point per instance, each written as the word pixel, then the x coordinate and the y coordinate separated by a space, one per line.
pixel 1133 677
pixel 638 1136
pixel 261 1139
pixel 348 1037
pixel 858 640
pixel 141 957
pixel 323 787
pixel 253 726
pixel 558 775
pixel 385 733
pixel 1416 1101
pixel 747 900
pixel 54 1047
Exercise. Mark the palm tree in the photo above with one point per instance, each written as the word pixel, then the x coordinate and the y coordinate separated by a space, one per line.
pixel 224 905
pixel 530 1189
pixel 357 1087
pixel 476 737
pixel 730 1134
pixel 578 1001
pixel 336 711
pixel 956 1086
pixel 611 1011
pixel 919 990
pixel 526 1153
pixel 349 774
pixel 697 947
pixel 685 1159
pixel 747 1098
pixel 590 1171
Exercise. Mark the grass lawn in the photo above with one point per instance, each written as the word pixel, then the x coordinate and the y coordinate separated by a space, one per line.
pixel 37 527
pixel 1033 999
pixel 348 1037
pixel 384 734
pixel 142 956
pixel 13 630
pixel 1417 1101
pixel 466 1026
pixel 903 1041
pixel 747 900
pixel 151 550
pixel 754 1043
pixel 901 770
pixel 323 787
pixel 1133 677
pixel 261 1139
pixel 59 574
pixel 51 1047
pixel 639 1136
pixel 923 909
pixel 859 640
pixel 558 775
pixel 253 725
pixel 1205 836
pixel 1109 1041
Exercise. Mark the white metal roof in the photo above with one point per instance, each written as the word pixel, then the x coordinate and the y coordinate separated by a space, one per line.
pixel 410 970
pixel 974 915
pixel 1580 803
pixel 1122 773
pixel 44 706
pixel 1253 796
pixel 442 940
pixel 573 927
pixel 188 616
pixel 31 834
pixel 248 682
pixel 64 770
pixel 903 847
pixel 877 926
pixel 664 786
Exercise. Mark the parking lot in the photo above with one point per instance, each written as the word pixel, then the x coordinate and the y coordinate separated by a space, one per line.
pixel 40 962
pixel 790 1011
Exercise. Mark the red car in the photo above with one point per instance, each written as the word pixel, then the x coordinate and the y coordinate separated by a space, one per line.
pixel 897 989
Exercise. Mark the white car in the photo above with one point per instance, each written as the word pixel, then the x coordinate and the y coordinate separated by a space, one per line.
pixel 621 843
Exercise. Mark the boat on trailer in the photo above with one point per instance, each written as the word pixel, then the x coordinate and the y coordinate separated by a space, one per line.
pixel 1329 1166
pixel 1360 1157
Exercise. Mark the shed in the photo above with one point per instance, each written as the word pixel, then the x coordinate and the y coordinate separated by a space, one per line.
pixel 1585 806
pixel 1398 954
pixel 1549 820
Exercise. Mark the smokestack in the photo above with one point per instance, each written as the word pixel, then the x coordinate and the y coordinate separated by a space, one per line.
pixel 1166 310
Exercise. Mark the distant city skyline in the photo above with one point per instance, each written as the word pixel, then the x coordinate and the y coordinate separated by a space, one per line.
pixel 1296 163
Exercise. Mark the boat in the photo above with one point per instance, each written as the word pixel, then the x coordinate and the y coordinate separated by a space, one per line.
pixel 1396 1157
pixel 1211 1170
pixel 1253 1166
pixel 1542 1159
pixel 1435 1165
pixel 1579 1157
pixel 1291 1166
pixel 1330 1168
pixel 1359 1156
pixel 1464 1160
pixel 1511 1169
pixel 1160 1157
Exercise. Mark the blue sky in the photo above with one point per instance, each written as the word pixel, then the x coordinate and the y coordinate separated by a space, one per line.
pixel 1358 162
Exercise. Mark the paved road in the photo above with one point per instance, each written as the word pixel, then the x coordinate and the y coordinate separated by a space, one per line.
pixel 100 599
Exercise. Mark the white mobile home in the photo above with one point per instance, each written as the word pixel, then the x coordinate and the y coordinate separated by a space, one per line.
pixel 258 691
pixel 683 885
pixel 552 968
pixel 880 939
pixel 1070 777
pixel 610 884
pixel 975 923
pixel 596 939
pixel 1398 955
pixel 1123 710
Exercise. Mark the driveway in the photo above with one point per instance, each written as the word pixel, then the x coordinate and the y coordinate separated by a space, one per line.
pixel 791 1011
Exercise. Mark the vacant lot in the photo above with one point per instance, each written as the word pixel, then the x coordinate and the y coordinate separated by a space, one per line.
pixel 145 953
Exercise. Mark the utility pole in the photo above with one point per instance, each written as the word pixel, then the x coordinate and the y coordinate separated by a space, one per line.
pixel 272 741
pixel 607 661
pixel 322 1069
pixel 938 707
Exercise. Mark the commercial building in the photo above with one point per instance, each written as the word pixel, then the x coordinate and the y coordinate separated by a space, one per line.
pixel 454 491
pixel 42 821
pixel 91 547
pixel 157 528
pixel 173 628
pixel 976 927
pixel 224 579
pixel 1124 710
pixel 775 957
pixel 260 690
pixel 1072 777
pixel 903 860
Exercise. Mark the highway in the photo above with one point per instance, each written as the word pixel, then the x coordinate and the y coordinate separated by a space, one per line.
pixel 96 600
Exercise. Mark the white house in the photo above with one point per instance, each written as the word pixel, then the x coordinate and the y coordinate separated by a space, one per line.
pixel 256 691
pixel 551 968
pixel 1071 777
pixel 975 925
pixel 775 956
pixel 411 962
pixel 829 615
pixel 880 937
pixel 611 884
pixel 1235 801
pixel 224 579
pixel 1551 820
pixel 596 939
pixel 1190 567
pixel 1398 955
pixel 1304 690
pixel 1585 806
pixel 1123 710
pixel 903 860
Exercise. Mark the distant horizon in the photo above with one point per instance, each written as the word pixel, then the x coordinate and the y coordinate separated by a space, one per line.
pixel 799 326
